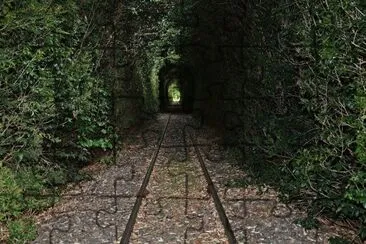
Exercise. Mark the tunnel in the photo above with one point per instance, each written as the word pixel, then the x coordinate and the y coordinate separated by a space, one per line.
pixel 218 102
pixel 176 89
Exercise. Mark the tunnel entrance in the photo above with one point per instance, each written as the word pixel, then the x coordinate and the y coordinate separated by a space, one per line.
pixel 176 89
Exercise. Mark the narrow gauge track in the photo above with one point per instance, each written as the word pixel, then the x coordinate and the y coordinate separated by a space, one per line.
pixel 210 186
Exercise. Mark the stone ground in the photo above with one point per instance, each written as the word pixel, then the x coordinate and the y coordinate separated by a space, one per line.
pixel 178 204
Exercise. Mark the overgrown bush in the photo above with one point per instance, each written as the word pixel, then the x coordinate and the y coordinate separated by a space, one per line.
pixel 290 75
pixel 10 194
pixel 317 141
pixel 51 95
pixel 22 230
pixel 54 105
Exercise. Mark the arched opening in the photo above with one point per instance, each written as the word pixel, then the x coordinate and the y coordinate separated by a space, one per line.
pixel 176 89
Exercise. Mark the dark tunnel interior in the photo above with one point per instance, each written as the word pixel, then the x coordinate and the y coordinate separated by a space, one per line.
pixel 176 89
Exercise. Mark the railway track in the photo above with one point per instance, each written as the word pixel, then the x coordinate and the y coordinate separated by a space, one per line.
pixel 169 185
pixel 210 185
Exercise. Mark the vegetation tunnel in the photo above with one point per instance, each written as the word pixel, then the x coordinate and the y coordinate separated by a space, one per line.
pixel 176 89
pixel 284 81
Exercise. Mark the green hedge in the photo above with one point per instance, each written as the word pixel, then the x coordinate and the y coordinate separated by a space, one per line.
pixel 54 106
pixel 295 73
pixel 318 139
pixel 51 97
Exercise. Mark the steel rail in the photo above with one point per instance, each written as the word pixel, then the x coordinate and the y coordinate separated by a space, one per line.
pixel 141 194
pixel 212 190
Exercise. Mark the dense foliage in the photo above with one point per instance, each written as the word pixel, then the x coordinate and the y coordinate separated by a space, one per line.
pixel 319 68
pixel 54 106
pixel 330 60
pixel 290 78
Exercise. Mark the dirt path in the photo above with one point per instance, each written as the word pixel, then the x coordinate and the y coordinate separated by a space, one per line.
pixel 169 185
